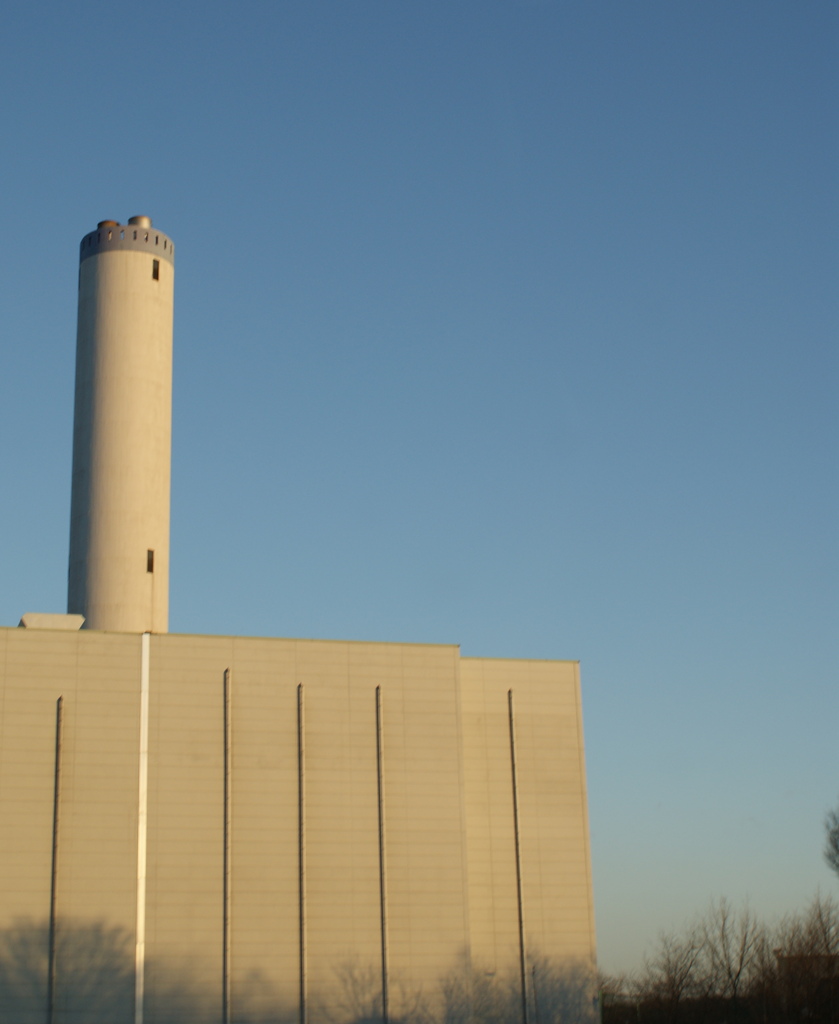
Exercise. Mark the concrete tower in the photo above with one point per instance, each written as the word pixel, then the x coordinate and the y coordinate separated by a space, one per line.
pixel 119 519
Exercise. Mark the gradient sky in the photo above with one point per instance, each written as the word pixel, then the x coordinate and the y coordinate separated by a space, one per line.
pixel 510 325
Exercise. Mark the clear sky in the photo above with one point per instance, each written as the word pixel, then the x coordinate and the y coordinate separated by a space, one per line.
pixel 507 324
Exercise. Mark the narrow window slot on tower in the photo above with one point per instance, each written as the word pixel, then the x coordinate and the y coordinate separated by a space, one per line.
pixel 149 560
pixel 155 269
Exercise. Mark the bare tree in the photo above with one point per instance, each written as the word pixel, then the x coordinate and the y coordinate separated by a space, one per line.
pixel 813 933
pixel 807 956
pixel 672 974
pixel 730 942
pixel 730 966
pixel 831 841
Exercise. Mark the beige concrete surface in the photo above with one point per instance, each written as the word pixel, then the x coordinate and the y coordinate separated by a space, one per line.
pixel 553 810
pixel 422 866
pixel 122 440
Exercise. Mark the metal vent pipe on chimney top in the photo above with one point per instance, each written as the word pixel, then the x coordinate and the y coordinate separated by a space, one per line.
pixel 119 518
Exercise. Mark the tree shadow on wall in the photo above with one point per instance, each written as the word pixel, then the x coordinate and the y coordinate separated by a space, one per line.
pixel 558 992
pixel 358 999
pixel 94 982
pixel 94 974
pixel 561 991
pixel 95 985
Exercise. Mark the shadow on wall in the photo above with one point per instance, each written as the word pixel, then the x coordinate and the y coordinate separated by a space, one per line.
pixel 94 974
pixel 95 984
pixel 557 993
pixel 94 981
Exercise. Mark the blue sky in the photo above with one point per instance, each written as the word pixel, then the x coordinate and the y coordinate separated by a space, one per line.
pixel 510 325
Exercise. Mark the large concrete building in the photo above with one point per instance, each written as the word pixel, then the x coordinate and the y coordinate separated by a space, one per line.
pixel 228 829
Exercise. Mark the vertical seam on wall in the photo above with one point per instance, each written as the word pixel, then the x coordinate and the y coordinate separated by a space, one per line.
pixel 583 789
pixel 225 972
pixel 142 832
pixel 464 829
pixel 382 863
pixel 301 851
pixel 519 894
pixel 56 806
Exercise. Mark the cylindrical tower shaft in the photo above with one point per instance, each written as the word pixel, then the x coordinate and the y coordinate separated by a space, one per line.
pixel 119 519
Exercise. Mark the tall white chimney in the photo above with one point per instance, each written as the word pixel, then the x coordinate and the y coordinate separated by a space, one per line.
pixel 119 519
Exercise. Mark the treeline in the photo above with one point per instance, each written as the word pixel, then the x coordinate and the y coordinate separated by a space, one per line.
pixel 729 967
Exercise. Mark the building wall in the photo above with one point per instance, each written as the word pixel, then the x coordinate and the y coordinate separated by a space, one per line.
pixel 554 857
pixel 434 728
pixel 96 676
